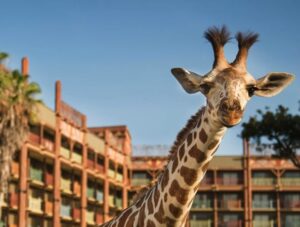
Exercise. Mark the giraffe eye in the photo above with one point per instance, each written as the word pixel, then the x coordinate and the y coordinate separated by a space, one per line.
pixel 251 90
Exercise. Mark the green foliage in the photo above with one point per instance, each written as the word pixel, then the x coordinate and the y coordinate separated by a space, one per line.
pixel 17 110
pixel 279 130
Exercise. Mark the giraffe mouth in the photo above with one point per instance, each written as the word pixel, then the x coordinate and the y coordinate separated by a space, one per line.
pixel 231 118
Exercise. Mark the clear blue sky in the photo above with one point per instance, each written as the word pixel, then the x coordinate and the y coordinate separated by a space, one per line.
pixel 114 57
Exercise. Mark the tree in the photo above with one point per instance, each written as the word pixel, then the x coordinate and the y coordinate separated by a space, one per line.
pixel 279 130
pixel 17 109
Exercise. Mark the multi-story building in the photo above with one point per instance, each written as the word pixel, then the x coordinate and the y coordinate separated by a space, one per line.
pixel 236 191
pixel 67 174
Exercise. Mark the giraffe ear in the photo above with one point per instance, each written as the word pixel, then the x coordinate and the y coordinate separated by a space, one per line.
pixel 273 83
pixel 191 82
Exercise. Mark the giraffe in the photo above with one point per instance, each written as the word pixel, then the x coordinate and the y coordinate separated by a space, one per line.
pixel 227 88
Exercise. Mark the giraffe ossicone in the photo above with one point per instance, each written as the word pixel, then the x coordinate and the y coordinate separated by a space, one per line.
pixel 227 87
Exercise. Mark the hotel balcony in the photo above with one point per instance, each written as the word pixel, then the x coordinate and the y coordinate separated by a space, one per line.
pixel 290 204
pixel 13 200
pixel 99 196
pixel 111 201
pixel 90 216
pixel 263 204
pixel 15 168
pixel 66 208
pixel 111 173
pixel 76 214
pixel 49 179
pixel 48 208
pixel 263 181
pixel 66 185
pixel 202 204
pixel 65 152
pixel 35 204
pixel 99 217
pixel 264 223
pixel 100 168
pixel 119 204
pixel 230 204
pixel 291 220
pixel 232 223
pixel 36 174
pixel 294 182
pixel 90 193
pixel 77 157
pixel 201 223
pixel 90 163
pixel 48 144
pixel 34 138
pixel 119 177
pixel 140 181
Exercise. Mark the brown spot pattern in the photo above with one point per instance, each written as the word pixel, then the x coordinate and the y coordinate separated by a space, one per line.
pixel 156 196
pixel 170 222
pixel 189 139
pixel 124 217
pixel 165 179
pixel 213 144
pixel 175 211
pixel 150 223
pixel 181 151
pixel 159 216
pixel 203 136
pixel 197 154
pixel 142 216
pixel 206 120
pixel 189 175
pixel 178 192
pixel 166 197
pixel 175 163
pixel 131 219
pixel 185 158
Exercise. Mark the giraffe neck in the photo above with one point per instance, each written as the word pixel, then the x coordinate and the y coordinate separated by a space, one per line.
pixel 168 202
pixel 187 166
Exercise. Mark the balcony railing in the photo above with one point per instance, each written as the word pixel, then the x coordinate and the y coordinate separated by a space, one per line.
pixel 34 138
pixel 198 204
pixel 99 196
pixel 119 177
pixel 100 168
pixel 263 204
pixel 90 164
pixel 229 181
pixel 48 144
pixel 36 174
pixel 290 204
pixel 119 203
pixel 111 173
pixel 48 207
pixel 201 223
pixel 90 216
pixel 138 182
pixel 65 152
pixel 65 184
pixel 233 223
pixel 76 214
pixel 13 200
pixel 229 204
pixel 263 223
pixel 76 157
pixel 111 201
pixel 77 188
pixel 36 204
pixel 290 181
pixel 90 193
pixel 49 179
pixel 66 211
pixel 263 181
pixel 99 218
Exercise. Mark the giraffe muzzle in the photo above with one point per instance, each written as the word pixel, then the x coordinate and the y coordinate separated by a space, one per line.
pixel 230 112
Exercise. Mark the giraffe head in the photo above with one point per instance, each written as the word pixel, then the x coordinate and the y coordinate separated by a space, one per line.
pixel 229 86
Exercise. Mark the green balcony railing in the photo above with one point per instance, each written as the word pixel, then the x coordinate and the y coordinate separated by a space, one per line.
pixel 65 184
pixel 119 177
pixel 90 216
pixel 263 181
pixel 111 201
pixel 99 196
pixel 290 181
pixel 66 153
pixel 76 157
pixel 119 203
pixel 35 204
pixel 139 181
pixel 111 173
pixel 90 192
pixel 263 223
pixel 202 204
pixel 36 174
pixel 263 204
pixel 201 223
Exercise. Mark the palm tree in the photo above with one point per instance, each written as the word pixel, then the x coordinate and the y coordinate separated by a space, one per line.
pixel 18 104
